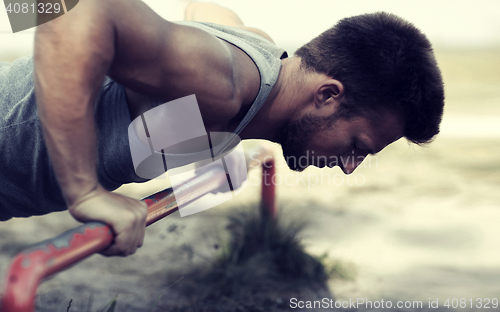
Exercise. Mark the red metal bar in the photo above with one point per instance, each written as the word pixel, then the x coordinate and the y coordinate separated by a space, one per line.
pixel 264 157
pixel 268 204
pixel 31 266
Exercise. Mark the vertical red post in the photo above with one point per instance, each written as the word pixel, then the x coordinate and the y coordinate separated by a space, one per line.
pixel 268 206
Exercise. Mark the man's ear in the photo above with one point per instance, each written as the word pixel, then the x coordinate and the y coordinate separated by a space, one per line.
pixel 329 91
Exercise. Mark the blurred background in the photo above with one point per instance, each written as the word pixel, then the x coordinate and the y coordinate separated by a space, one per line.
pixel 413 223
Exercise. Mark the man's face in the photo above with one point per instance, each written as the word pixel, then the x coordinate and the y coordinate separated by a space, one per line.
pixel 321 142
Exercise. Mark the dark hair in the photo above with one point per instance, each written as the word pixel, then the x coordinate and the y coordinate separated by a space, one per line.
pixel 382 59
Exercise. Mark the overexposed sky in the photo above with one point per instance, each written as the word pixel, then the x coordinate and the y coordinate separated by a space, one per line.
pixel 447 23
pixel 457 23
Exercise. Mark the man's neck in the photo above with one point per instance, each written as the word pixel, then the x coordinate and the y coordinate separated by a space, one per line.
pixel 282 104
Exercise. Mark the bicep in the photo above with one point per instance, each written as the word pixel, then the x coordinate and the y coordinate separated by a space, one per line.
pixel 179 60
pixel 167 60
pixel 197 60
pixel 148 54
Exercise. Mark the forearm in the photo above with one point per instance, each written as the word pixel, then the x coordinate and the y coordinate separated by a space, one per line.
pixel 73 53
pixel 71 60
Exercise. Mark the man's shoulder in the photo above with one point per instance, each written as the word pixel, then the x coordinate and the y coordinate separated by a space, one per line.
pixel 252 52
pixel 236 34
pixel 239 31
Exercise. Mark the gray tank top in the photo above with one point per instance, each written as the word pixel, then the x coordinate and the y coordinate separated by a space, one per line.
pixel 27 182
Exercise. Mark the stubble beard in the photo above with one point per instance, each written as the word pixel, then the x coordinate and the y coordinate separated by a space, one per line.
pixel 294 138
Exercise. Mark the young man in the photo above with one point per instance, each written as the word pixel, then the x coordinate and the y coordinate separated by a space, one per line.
pixel 351 91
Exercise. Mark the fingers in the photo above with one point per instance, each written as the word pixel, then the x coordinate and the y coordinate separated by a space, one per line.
pixel 126 216
pixel 124 245
pixel 129 231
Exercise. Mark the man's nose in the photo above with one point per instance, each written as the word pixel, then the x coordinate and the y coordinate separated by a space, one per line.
pixel 351 165
pixel 348 169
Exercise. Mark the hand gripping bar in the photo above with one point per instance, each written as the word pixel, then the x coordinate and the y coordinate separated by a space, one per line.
pixel 32 265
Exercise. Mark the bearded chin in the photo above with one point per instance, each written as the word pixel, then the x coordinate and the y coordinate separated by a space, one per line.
pixel 294 138
pixel 292 154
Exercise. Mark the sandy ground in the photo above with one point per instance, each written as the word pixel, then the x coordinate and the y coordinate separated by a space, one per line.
pixel 414 223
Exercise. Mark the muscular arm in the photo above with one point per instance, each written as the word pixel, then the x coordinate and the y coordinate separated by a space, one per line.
pixel 145 53
pixel 71 59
